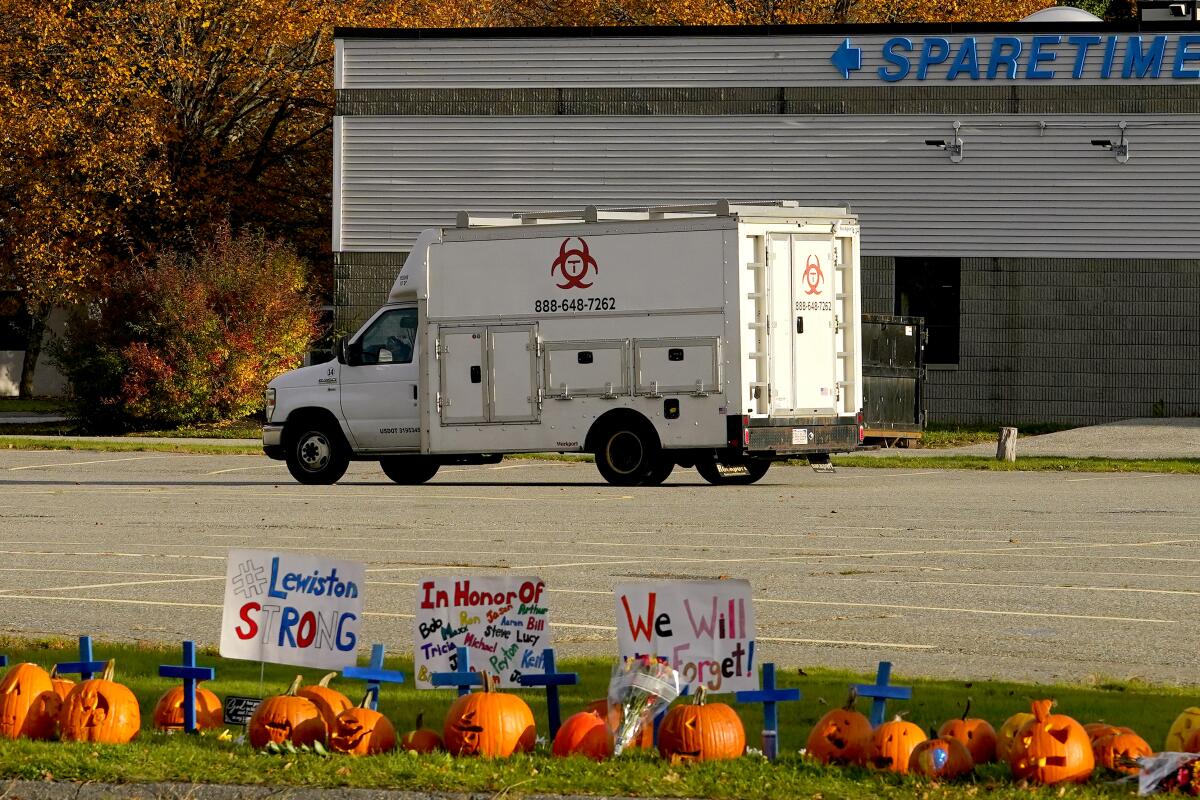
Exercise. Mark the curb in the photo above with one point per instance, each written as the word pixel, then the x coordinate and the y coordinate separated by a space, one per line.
pixel 64 790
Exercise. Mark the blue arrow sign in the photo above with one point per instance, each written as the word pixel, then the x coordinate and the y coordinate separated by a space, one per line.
pixel 846 58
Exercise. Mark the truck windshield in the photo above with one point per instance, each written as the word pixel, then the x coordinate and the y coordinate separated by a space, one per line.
pixel 391 338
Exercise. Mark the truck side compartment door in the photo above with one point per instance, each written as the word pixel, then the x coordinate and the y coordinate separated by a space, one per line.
pixel 464 374
pixel 512 352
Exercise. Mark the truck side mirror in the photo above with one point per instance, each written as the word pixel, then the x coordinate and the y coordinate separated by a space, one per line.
pixel 350 353
pixel 340 349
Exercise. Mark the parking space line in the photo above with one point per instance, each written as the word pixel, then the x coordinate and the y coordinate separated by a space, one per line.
pixel 861 579
pixel 122 583
pixel 952 610
pixel 243 469
pixel 84 463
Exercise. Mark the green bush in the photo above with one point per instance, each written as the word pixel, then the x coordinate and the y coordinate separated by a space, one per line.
pixel 189 338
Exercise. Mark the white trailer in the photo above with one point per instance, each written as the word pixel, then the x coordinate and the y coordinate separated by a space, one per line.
pixel 719 336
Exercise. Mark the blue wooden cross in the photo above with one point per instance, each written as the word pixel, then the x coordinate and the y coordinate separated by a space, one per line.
pixel 3 661
pixel 658 718
pixel 882 692
pixel 374 674
pixel 191 675
pixel 86 666
pixel 551 679
pixel 769 696
pixel 462 677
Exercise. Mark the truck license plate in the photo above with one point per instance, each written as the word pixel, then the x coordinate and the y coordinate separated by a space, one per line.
pixel 799 435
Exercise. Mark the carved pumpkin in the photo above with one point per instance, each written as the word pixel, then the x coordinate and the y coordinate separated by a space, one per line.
pixel 100 710
pixel 168 712
pixel 331 702
pixel 1051 748
pixel 362 731
pixel 700 731
pixel 1181 730
pixel 286 717
pixel 62 686
pixel 891 745
pixel 421 740
pixel 584 734
pixel 841 736
pixel 22 709
pixel 1118 752
pixel 489 723
pixel 945 757
pixel 645 738
pixel 1007 735
pixel 977 734
pixel 1192 745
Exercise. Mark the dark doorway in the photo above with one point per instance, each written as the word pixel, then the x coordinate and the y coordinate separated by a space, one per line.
pixel 929 288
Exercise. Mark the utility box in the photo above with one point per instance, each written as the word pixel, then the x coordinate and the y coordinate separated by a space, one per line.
pixel 893 379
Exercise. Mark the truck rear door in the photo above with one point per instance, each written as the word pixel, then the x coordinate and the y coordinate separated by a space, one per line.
pixel 802 336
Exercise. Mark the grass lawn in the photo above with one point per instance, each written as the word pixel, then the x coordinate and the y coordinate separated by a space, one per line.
pixel 157 757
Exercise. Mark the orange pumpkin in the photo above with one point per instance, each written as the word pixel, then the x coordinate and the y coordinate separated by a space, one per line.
pixel 286 717
pixel 891 745
pixel 977 734
pixel 1052 748
pixel 1192 745
pixel 584 734
pixel 1098 730
pixel 645 738
pixel 331 702
pixel 944 757
pixel 62 687
pixel 841 736
pixel 22 709
pixel 1007 735
pixel 489 723
pixel 362 731
pixel 168 712
pixel 1182 729
pixel 421 740
pixel 100 710
pixel 1119 751
pixel 700 731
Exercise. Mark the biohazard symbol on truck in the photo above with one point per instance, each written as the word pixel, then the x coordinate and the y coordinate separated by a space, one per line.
pixel 813 277
pixel 574 265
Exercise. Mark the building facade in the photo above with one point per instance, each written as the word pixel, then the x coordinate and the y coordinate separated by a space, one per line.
pixel 1032 189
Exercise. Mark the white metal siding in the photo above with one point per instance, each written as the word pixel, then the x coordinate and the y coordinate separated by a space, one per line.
pixel 1021 189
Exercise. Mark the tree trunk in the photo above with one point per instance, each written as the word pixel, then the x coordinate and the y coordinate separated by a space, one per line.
pixel 1006 445
pixel 33 349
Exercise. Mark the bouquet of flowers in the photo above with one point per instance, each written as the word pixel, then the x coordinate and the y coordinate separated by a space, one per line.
pixel 1170 772
pixel 639 689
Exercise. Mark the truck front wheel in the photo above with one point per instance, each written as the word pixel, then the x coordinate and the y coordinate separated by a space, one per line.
pixel 732 474
pixel 316 456
pixel 626 453
pixel 409 470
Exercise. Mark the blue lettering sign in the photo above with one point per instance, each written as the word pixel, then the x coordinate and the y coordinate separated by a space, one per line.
pixel 1082 43
pixel 272 591
pixel 1110 54
pixel 1037 56
pixel 1007 59
pixel 967 60
pixel 935 51
pixel 901 61
pixel 1182 56
pixel 1140 64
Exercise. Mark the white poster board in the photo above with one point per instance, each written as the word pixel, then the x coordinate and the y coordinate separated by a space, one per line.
pixel 503 622
pixel 291 609
pixel 704 629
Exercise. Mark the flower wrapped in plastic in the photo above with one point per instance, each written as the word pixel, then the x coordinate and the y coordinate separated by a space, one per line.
pixel 1170 772
pixel 639 689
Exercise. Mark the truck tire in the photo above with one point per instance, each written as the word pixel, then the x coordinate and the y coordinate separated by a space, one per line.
pixel 315 454
pixel 743 474
pixel 659 472
pixel 626 452
pixel 409 470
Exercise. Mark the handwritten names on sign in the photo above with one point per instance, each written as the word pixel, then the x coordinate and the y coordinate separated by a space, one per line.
pixel 704 629
pixel 504 623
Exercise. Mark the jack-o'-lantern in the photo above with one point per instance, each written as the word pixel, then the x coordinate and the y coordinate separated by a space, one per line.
pixel 331 702
pixel 584 734
pixel 168 712
pixel 1007 735
pixel 22 709
pixel 1181 730
pixel 700 731
pixel 1051 748
pixel 286 717
pixel 62 687
pixel 891 745
pixel 489 723
pixel 977 734
pixel 944 757
pixel 840 737
pixel 420 739
pixel 1192 745
pixel 614 715
pixel 362 731
pixel 1120 751
pixel 100 710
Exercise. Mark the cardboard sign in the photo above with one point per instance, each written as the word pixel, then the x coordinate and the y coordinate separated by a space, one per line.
pixel 239 710
pixel 704 629
pixel 290 609
pixel 503 622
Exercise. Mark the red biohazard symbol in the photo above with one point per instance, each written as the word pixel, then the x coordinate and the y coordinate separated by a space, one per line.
pixel 574 264
pixel 813 277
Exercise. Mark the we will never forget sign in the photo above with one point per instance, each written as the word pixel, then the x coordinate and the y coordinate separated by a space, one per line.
pixel 291 609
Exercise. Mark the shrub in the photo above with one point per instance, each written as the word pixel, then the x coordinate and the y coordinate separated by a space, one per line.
pixel 190 338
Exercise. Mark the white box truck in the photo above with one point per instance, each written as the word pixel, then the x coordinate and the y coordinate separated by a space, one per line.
pixel 720 336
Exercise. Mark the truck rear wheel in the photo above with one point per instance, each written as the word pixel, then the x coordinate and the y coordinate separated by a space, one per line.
pixel 626 453
pixel 409 470
pixel 315 455
pixel 720 474
pixel 659 472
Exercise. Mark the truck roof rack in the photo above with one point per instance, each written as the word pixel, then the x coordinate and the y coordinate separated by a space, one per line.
pixel 721 208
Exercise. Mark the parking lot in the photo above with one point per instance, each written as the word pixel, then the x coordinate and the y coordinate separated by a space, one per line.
pixel 1041 576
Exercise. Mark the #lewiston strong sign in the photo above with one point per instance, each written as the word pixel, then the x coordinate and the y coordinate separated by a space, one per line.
pixel 291 609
